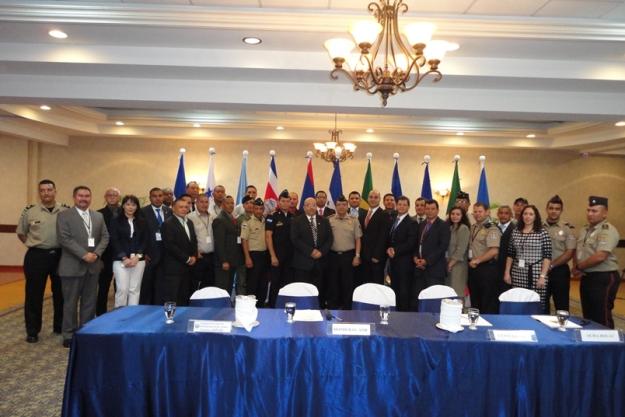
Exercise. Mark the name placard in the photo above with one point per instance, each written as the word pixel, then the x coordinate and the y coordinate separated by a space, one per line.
pixel 514 335
pixel 600 336
pixel 211 326
pixel 351 329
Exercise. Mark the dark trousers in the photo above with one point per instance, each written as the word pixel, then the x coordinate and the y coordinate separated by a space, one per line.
pixel 104 283
pixel 403 283
pixel 257 280
pixel 225 279
pixel 558 287
pixel 598 291
pixel 38 265
pixel 339 281
pixel 485 287
pixel 153 273
pixel 373 272
pixel 280 276
pixel 203 273
pixel 175 287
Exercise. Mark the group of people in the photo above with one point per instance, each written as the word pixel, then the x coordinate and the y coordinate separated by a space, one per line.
pixel 172 247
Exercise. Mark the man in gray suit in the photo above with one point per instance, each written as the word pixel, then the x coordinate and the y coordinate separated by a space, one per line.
pixel 83 238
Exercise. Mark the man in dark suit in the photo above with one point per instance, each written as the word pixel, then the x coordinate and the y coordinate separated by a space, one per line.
pixel 432 243
pixel 311 237
pixel 506 225
pixel 321 209
pixel 400 248
pixel 155 215
pixel 109 212
pixel 180 254
pixel 228 252
pixel 375 224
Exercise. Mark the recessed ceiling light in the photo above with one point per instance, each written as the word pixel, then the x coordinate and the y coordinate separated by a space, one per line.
pixel 57 34
pixel 370 130
pixel 45 107
pixel 531 136
pixel 452 46
pixel 197 125
pixel 119 123
pixel 279 127
pixel 620 124
pixel 252 40
pixel 459 133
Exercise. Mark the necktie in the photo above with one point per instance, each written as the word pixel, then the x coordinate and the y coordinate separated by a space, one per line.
pixel 159 218
pixel 395 223
pixel 186 228
pixel 320 212
pixel 368 218
pixel 313 227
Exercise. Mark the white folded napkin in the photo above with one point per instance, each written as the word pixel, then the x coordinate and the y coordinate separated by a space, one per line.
pixel 552 322
pixel 307 315
pixel 245 311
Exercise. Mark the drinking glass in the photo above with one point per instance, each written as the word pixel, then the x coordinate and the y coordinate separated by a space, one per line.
pixel 289 309
pixel 170 311
pixel 385 312
pixel 563 317
pixel 473 314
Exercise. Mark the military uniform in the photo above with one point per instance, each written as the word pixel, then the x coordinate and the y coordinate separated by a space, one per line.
pixel 241 280
pixel 279 223
pixel 253 232
pixel 339 283
pixel 38 224
pixel 600 282
pixel 484 280
pixel 559 283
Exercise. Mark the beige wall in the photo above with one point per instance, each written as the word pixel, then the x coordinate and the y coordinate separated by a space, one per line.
pixel 135 165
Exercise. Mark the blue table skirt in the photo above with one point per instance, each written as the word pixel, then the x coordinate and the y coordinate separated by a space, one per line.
pixel 130 363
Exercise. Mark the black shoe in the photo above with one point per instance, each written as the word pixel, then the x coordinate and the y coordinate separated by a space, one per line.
pixel 32 339
pixel 67 343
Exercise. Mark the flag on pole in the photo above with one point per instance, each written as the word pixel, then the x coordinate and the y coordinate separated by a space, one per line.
pixel 426 188
pixel 482 190
pixel 367 186
pixel 180 186
pixel 396 183
pixel 309 182
pixel 242 179
pixel 271 191
pixel 336 188
pixel 455 185
pixel 210 179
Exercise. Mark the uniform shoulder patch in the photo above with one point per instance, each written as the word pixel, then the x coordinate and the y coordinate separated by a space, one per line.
pixel 488 225
pixel 570 226
pixel 28 207
pixel 64 205
pixel 605 226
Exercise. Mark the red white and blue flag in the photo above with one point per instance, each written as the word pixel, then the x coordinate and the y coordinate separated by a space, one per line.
pixel 271 191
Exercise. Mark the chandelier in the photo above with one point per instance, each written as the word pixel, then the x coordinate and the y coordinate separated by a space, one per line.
pixel 334 151
pixel 385 63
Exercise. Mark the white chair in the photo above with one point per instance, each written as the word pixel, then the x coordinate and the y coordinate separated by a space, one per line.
pixel 305 295
pixel 430 298
pixel 210 297
pixel 519 301
pixel 371 296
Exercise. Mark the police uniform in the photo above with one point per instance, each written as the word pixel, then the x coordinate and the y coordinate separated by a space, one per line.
pixel 600 282
pixel 38 224
pixel 559 284
pixel 339 283
pixel 279 223
pixel 253 232
pixel 484 280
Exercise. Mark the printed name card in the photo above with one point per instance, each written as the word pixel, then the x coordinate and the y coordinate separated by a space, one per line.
pixel 514 335
pixel 212 326
pixel 601 336
pixel 351 329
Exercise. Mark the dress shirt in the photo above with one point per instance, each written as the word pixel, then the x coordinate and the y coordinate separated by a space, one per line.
pixel 202 223
pixel 183 221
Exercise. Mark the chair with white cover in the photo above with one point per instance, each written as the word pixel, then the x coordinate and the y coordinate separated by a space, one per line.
pixel 430 298
pixel 372 296
pixel 210 297
pixel 519 301
pixel 304 295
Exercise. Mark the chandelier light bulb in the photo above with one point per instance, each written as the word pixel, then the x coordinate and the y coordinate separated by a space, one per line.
pixel 339 48
pixel 365 32
pixel 436 50
pixel 418 33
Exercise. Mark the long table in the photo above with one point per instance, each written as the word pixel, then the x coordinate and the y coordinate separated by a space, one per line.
pixel 130 363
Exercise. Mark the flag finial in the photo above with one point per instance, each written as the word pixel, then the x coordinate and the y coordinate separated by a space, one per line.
pixel 212 151
pixel 482 158
pixel 309 155
pixel 245 153
pixel 369 155
pixel 182 150
pixel 396 156
pixel 456 158
pixel 427 159
pixel 272 153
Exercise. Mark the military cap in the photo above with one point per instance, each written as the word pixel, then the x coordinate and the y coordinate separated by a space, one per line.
pixel 597 201
pixel 246 199
pixel 259 202
pixel 285 194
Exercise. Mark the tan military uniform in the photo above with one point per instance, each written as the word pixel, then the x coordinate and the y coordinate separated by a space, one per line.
pixel 562 238
pixel 345 231
pixel 38 224
pixel 484 235
pixel 601 237
pixel 253 230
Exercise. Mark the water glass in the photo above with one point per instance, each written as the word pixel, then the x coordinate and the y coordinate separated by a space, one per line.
pixel 473 314
pixel 170 311
pixel 385 312
pixel 289 309
pixel 563 317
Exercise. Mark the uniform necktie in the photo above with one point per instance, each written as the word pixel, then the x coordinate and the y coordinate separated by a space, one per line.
pixel 159 218
pixel 313 227
pixel 368 218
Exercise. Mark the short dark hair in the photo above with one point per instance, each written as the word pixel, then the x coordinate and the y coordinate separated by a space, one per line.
pixel 431 201
pixel 538 223
pixel 341 198
pixel 80 187
pixel 420 199
pixel 250 186
pixel 47 181
pixel 354 192
pixel 404 198
pixel 521 200
pixel 481 204
pixel 388 195
pixel 556 200
pixel 155 189
pixel 228 196
pixel 176 201
pixel 192 182
pixel 320 192
pixel 135 200
pixel 183 196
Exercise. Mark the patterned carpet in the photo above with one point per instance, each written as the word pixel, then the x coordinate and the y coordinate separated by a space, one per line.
pixel 33 375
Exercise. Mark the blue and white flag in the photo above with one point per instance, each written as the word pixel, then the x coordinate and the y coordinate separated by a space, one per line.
pixel 482 190
pixel 336 187
pixel 396 183
pixel 242 179
pixel 180 186
pixel 210 180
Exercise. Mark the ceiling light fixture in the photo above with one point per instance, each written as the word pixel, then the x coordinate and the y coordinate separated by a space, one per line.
pixel 57 34
pixel 279 127
pixel 334 151
pixel 197 125
pixel 119 123
pixel 370 130
pixel 252 40
pixel 531 136
pixel 45 107
pixel 459 133
pixel 386 63
pixel 620 124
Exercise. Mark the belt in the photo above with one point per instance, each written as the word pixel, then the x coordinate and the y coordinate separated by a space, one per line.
pixel 342 252
pixel 206 253
pixel 51 251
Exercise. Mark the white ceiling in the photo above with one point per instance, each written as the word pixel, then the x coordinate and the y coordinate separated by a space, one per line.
pixel 555 68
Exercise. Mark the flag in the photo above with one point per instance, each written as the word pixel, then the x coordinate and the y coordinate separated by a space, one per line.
pixel 309 184
pixel 426 188
pixel 271 191
pixel 396 183
pixel 180 186
pixel 242 179
pixel 455 186
pixel 210 179
pixel 367 186
pixel 336 188
pixel 482 190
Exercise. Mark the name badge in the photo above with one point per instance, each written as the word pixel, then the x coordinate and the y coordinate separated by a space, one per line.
pixel 600 336
pixel 158 237
pixel 513 335
pixel 351 329
pixel 521 263
pixel 470 254
pixel 91 242
pixel 211 326
pixel 238 240
pixel 208 239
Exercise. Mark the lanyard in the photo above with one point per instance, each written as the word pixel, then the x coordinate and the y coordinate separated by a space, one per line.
pixel 87 224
